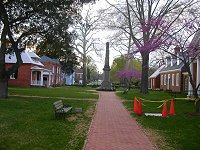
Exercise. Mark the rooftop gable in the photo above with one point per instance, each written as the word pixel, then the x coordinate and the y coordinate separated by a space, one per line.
pixel 174 67
pixel 27 58
pixel 48 59
pixel 157 72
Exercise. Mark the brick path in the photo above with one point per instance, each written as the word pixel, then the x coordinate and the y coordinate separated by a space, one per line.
pixel 114 129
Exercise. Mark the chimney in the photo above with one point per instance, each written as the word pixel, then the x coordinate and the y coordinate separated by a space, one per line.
pixel 176 50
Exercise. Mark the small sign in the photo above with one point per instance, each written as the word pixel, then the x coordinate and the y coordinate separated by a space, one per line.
pixel 79 110
pixel 153 114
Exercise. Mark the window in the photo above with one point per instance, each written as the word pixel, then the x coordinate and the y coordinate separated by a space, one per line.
pixel 165 79
pixel 172 79
pixel 153 82
pixel 161 80
pixel 177 79
pixel 12 76
pixel 53 69
pixel 80 76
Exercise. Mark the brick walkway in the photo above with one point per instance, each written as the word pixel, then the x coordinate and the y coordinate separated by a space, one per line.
pixel 114 129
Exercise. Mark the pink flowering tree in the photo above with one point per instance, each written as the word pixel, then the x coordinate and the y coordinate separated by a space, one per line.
pixel 148 24
pixel 127 75
pixel 154 20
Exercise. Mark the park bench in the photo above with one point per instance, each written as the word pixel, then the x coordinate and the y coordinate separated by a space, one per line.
pixel 60 109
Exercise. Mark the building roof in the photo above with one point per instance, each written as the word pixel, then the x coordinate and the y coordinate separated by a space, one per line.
pixel 157 72
pixel 174 67
pixel 48 59
pixel 196 38
pixel 33 55
pixel 27 58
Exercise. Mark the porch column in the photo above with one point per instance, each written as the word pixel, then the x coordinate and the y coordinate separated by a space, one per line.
pixel 190 89
pixel 31 77
pixel 41 83
pixel 49 79
pixel 198 73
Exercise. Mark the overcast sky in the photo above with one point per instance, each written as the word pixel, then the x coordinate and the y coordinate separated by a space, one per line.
pixel 103 35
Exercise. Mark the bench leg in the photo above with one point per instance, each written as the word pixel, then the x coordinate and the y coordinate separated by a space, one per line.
pixel 60 115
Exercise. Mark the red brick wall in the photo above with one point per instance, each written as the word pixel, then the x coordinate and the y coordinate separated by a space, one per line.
pixel 155 82
pixel 24 76
pixel 174 87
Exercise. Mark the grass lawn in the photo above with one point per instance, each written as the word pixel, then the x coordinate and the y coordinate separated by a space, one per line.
pixel 66 91
pixel 29 123
pixel 178 132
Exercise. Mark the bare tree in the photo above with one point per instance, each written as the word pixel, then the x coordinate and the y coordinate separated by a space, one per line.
pixel 86 42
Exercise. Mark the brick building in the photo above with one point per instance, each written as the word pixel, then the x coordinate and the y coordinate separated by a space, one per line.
pixel 174 76
pixel 32 73
pixel 171 76
pixel 55 78
pixel 79 76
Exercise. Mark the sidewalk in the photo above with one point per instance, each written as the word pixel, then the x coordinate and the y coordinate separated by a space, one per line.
pixel 114 129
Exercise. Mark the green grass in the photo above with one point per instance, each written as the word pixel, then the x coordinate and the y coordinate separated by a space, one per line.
pixel 153 95
pixel 68 92
pixel 179 132
pixel 30 123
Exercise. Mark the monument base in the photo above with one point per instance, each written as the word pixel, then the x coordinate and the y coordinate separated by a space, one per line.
pixel 106 86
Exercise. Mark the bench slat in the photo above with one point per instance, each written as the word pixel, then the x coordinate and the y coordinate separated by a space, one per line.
pixel 67 109
pixel 58 106
pixel 57 102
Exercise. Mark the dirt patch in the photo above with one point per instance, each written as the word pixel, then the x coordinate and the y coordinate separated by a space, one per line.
pixel 82 127
pixel 72 118
pixel 159 140
pixel 90 112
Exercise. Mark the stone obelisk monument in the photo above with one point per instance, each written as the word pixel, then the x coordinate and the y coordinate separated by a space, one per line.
pixel 106 84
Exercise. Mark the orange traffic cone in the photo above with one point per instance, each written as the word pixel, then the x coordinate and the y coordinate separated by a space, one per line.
pixel 171 111
pixel 135 106
pixel 164 110
pixel 140 108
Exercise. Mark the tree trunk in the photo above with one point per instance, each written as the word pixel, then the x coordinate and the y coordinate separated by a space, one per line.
pixel 84 71
pixel 195 90
pixel 197 107
pixel 3 76
pixel 145 70
pixel 3 89
pixel 197 104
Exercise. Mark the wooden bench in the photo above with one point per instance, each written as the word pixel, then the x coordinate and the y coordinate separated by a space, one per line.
pixel 60 109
